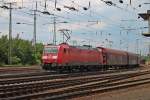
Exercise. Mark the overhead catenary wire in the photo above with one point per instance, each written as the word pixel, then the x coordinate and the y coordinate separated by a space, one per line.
pixel 73 17
pixel 63 17
pixel 90 17
pixel 99 15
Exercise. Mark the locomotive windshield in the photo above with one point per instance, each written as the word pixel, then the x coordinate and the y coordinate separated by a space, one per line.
pixel 50 50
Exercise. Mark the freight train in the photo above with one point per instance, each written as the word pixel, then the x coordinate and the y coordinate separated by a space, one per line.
pixel 66 57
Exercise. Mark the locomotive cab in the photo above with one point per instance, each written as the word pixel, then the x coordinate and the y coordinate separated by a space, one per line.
pixel 50 56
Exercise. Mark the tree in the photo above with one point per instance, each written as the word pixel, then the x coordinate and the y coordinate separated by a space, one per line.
pixel 4 50
pixel 22 51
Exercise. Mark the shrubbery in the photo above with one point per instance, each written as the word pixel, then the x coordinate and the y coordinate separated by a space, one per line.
pixel 22 51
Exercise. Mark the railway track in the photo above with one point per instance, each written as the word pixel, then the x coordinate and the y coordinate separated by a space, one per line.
pixel 7 70
pixel 38 76
pixel 30 74
pixel 66 87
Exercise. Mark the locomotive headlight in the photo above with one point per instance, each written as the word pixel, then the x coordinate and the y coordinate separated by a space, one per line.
pixel 54 57
pixel 44 57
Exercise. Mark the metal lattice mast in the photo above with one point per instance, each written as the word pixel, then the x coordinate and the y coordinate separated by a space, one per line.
pixel 54 36
pixel 10 34
pixel 34 33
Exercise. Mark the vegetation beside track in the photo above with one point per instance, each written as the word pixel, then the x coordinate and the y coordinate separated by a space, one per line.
pixel 22 52
pixel 147 60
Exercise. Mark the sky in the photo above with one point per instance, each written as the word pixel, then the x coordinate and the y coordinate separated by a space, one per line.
pixel 114 26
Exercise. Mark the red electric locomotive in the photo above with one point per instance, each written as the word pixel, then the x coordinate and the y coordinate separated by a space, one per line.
pixel 68 57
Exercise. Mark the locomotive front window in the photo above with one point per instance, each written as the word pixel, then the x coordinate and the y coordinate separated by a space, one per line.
pixel 50 50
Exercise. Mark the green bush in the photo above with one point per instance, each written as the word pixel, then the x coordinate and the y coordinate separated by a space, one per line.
pixel 147 58
pixel 16 60
pixel 22 51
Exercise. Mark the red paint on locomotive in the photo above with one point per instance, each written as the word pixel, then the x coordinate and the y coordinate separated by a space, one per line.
pixel 65 55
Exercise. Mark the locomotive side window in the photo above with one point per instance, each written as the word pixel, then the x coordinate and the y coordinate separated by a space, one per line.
pixel 50 50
